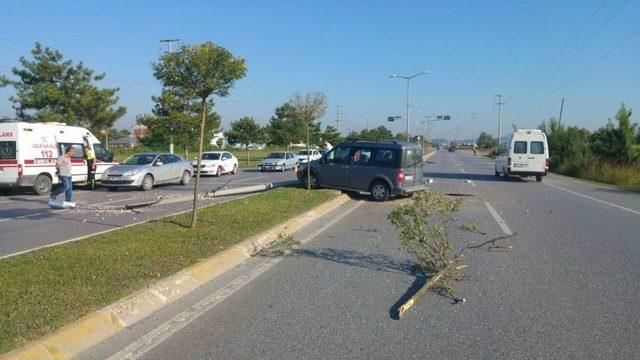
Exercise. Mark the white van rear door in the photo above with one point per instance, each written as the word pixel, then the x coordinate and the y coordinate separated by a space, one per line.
pixel 537 157
pixel 520 158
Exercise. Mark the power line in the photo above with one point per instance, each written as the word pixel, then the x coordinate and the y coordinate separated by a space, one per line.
pixel 575 53
pixel 588 68
pixel 562 49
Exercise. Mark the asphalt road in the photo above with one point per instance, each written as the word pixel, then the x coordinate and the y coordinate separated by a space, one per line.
pixel 567 289
pixel 27 222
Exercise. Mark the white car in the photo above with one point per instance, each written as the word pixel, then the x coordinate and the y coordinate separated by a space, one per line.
pixel 314 154
pixel 217 163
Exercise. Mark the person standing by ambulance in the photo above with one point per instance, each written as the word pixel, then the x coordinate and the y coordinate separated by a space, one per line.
pixel 90 156
pixel 63 167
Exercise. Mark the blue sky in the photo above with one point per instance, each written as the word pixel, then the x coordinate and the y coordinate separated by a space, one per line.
pixel 348 49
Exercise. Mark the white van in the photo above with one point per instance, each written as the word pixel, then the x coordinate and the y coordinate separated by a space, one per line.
pixel 29 151
pixel 523 153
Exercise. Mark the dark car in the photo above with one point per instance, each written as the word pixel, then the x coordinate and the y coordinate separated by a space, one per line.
pixel 382 168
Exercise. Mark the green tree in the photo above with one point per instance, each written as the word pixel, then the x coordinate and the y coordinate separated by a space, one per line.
pixel 331 135
pixel 200 71
pixel 175 119
pixel 245 131
pixel 310 108
pixel 568 146
pixel 50 88
pixel 286 127
pixel 486 141
pixel 616 143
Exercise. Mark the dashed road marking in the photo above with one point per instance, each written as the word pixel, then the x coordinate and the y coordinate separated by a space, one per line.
pixel 594 199
pixel 498 219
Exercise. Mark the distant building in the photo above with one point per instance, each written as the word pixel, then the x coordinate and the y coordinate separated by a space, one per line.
pixel 128 142
pixel 139 131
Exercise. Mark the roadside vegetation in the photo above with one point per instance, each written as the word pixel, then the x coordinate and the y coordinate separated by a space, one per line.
pixel 609 155
pixel 45 289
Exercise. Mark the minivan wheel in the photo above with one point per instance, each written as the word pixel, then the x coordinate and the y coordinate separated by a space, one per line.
pixel 314 181
pixel 538 178
pixel 42 184
pixel 186 178
pixel 147 182
pixel 379 191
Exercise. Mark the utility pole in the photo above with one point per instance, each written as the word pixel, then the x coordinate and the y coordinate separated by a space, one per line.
pixel 561 108
pixel 497 101
pixel 170 42
pixel 338 113
pixel 474 120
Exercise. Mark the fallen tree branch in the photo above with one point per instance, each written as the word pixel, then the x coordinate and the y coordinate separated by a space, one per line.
pixel 443 273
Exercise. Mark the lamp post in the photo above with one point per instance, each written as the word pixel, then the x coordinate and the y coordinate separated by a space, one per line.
pixel 408 78
pixel 429 120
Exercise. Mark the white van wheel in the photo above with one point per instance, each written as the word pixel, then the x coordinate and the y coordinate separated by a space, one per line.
pixel 505 174
pixel 539 178
pixel 496 173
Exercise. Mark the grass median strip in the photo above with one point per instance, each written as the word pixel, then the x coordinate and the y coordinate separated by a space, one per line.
pixel 45 289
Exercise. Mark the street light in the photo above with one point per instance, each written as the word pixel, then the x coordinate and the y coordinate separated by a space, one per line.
pixel 408 78
pixel 430 120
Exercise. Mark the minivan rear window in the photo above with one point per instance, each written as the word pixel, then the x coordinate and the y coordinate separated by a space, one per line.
pixel 412 157
pixel 520 147
pixel 7 150
pixel 537 147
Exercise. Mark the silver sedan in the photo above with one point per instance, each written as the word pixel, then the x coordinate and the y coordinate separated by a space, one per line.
pixel 146 170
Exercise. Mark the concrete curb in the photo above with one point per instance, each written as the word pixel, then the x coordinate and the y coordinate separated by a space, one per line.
pixel 72 339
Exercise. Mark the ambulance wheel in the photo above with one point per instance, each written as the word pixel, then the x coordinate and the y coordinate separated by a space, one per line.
pixel 42 184
pixel 147 182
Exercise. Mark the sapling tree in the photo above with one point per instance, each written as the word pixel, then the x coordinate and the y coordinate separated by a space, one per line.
pixel 200 71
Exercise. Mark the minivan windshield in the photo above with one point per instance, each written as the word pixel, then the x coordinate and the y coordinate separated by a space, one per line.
pixel 139 159
pixel 276 156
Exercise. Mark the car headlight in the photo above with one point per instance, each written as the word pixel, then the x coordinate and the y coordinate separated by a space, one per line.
pixel 132 172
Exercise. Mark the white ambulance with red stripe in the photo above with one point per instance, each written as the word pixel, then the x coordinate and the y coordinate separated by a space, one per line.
pixel 29 151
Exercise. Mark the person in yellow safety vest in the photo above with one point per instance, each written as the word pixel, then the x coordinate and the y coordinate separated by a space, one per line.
pixel 91 167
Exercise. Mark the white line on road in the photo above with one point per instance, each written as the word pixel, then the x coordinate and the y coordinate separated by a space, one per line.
pixel 498 219
pixel 464 172
pixel 594 199
pixel 156 336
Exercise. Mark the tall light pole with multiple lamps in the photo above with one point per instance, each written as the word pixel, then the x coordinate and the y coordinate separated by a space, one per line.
pixel 408 78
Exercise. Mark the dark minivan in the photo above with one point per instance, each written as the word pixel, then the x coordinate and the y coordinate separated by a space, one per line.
pixel 382 168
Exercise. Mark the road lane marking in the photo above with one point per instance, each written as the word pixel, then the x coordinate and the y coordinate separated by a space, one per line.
pixel 464 172
pixel 498 219
pixel 594 199
pixel 161 333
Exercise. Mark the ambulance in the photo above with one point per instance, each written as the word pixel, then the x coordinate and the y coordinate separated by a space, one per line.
pixel 29 151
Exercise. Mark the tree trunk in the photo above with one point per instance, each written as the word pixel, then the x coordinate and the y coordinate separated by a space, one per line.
pixel 194 213
pixel 246 149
